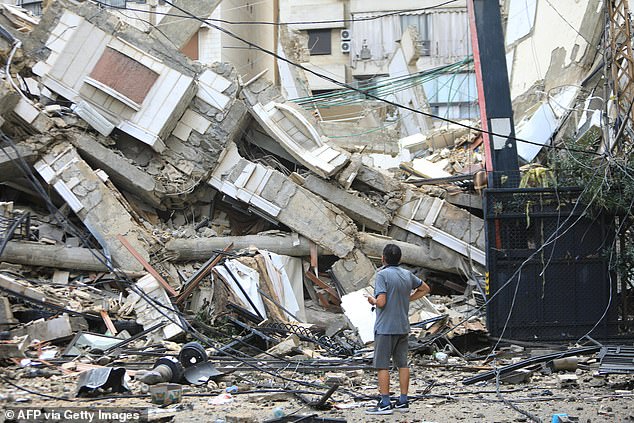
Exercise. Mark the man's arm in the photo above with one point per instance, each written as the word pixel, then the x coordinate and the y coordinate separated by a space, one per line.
pixel 379 301
pixel 420 292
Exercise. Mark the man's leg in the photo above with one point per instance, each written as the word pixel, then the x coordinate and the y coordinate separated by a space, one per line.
pixel 403 380
pixel 384 382
pixel 400 360
pixel 382 347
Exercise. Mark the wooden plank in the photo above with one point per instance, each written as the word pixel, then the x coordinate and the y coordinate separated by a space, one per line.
pixel 314 256
pixel 146 265
pixel 189 288
pixel 108 322
pixel 325 286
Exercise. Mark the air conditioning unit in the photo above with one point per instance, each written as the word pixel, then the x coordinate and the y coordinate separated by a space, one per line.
pixel 346 35
pixel 346 46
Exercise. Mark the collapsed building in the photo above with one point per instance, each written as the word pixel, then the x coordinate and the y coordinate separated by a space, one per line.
pixel 162 197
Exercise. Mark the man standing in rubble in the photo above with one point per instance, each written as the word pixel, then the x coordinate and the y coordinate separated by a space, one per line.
pixel 394 288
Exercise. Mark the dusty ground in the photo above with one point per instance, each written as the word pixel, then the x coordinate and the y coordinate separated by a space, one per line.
pixel 595 399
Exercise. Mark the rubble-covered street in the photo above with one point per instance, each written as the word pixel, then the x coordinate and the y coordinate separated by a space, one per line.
pixel 189 241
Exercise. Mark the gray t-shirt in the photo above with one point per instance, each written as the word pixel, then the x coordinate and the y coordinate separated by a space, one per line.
pixel 397 284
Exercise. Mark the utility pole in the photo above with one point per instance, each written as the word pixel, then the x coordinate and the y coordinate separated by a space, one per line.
pixel 494 95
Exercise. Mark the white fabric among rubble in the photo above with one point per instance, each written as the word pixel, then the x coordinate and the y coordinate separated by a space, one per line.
pixel 249 280
pixel 276 268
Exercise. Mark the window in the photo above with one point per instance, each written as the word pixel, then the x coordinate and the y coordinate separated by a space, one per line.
pixel 319 42
pixel 33 6
pixel 420 22
pixel 122 77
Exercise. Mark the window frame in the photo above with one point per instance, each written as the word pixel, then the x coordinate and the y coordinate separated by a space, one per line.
pixel 319 47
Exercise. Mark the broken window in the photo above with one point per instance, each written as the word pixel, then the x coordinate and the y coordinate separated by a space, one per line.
pixel 421 23
pixel 319 41
pixel 122 77
pixel 33 6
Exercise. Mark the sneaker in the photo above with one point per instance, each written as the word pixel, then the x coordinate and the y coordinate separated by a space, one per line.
pixel 379 409
pixel 401 407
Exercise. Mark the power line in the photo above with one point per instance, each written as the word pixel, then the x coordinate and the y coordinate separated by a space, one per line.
pixel 189 15
pixel 365 92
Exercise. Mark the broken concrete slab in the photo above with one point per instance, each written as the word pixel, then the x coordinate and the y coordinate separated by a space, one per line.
pixel 12 285
pixel 353 272
pixel 291 127
pixel 123 173
pixel 348 174
pixel 378 180
pixel 281 198
pixel 285 123
pixel 94 203
pixel 54 329
pixel 358 208
pixel 446 224
pixel 176 31
pixel 126 83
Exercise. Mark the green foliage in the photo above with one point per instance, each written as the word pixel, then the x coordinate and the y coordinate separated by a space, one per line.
pixel 608 186
pixel 608 181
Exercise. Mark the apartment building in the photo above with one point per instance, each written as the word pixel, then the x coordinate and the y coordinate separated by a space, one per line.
pixel 358 42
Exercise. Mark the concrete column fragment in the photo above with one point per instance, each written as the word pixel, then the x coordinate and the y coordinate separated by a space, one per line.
pixel 94 203
pixel 358 208
pixel 55 256
pixel 122 172
pixel 203 248
pixel 416 251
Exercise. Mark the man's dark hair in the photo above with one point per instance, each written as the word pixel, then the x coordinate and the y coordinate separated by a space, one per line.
pixel 392 254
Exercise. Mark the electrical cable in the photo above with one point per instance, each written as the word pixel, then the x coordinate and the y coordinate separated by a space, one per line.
pixel 182 323
pixel 348 86
pixel 577 151
pixel 30 391
pixel 190 16
pixel 158 306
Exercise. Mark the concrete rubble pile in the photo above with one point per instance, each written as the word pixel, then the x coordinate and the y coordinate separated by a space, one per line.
pixel 166 224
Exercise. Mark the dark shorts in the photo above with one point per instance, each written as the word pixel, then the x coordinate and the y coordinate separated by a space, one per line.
pixel 390 346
